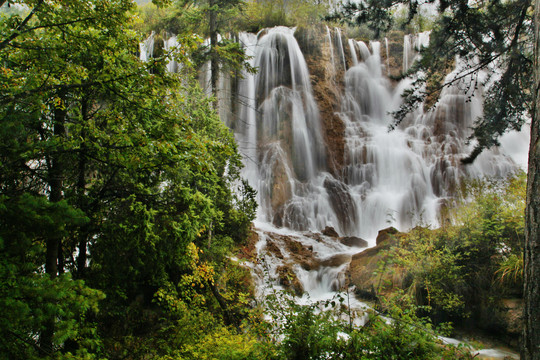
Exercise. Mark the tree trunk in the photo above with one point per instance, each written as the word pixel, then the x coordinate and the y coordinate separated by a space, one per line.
pixel 81 192
pixel 54 243
pixel 530 347
pixel 214 66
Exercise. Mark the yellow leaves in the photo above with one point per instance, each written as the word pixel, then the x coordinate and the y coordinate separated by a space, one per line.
pixel 59 103
pixel 201 271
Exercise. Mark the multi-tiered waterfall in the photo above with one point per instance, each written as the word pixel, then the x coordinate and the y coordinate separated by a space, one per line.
pixel 397 177
pixel 318 150
pixel 363 177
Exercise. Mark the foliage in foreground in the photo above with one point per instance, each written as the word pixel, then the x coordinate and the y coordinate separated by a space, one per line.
pixel 460 269
pixel 328 330
pixel 117 184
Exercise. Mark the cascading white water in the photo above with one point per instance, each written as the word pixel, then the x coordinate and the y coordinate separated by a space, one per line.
pixel 387 176
pixel 279 132
pixel 331 46
pixel 170 44
pixel 387 56
pixel 411 47
pixel 146 48
pixel 393 178
pixel 396 178
pixel 339 47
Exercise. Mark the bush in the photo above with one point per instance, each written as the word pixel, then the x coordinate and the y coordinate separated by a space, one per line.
pixel 456 269
pixel 323 330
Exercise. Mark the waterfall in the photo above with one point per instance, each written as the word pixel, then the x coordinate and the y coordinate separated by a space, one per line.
pixel 279 131
pixel 146 48
pixel 339 47
pixel 387 178
pixel 170 45
pixel 385 171
pixel 387 56
pixel 397 178
pixel 329 38
pixel 412 44
pixel 352 47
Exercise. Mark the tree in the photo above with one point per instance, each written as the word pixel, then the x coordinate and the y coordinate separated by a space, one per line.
pixel 212 20
pixel 374 13
pixel 103 166
pixel 531 333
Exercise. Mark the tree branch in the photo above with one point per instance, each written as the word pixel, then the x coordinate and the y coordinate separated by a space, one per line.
pixel 19 31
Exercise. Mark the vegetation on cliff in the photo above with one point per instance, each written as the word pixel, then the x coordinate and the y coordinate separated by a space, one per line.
pixel 462 271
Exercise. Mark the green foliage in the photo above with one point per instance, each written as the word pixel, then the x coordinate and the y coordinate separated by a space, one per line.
pixel 484 35
pixel 30 298
pixel 374 13
pixel 402 335
pixel 260 14
pixel 322 330
pixel 116 172
pixel 475 257
pixel 511 270
pixel 433 270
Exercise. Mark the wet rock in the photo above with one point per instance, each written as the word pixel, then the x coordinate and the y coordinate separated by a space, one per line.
pixel 365 265
pixel 289 280
pixel 272 248
pixel 353 241
pixel 248 251
pixel 336 260
pixel 327 91
pixel 386 235
pixel 513 316
pixel 342 203
pixel 295 251
pixel 330 231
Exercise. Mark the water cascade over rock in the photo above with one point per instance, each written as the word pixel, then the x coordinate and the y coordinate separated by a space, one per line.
pixel 384 177
pixel 313 127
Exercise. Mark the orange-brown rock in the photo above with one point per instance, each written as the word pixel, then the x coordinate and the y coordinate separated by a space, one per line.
pixel 327 84
pixel 353 241
pixel 248 251
pixel 289 280
pixel 386 236
pixel 364 266
pixel 330 231
pixel 336 260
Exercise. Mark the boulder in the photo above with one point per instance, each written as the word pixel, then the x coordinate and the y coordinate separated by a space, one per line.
pixel 364 266
pixel 342 203
pixel 513 316
pixel 386 235
pixel 353 241
pixel 289 280
pixel 336 260
pixel 330 231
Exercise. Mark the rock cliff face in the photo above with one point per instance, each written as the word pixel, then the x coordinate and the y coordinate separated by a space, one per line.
pixel 327 90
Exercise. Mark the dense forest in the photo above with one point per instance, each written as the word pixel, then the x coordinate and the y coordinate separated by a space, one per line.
pixel 123 211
